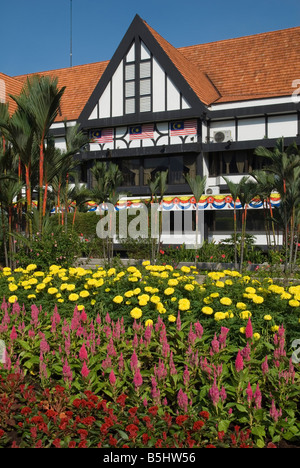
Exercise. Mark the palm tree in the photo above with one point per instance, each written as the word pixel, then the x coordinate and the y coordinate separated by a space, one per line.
pixel 40 101
pixel 265 186
pixel 283 164
pixel 234 189
pixel 197 185
pixel 247 191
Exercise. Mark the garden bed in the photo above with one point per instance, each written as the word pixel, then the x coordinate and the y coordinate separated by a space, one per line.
pixel 147 356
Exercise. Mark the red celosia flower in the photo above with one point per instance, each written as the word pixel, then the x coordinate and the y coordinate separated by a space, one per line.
pixel 1 433
pixel 132 411
pixel 132 429
pixel 181 419
pixel 210 446
pixel 88 421
pixel 198 425
pixel 26 410
pixel 56 443
pixel 72 444
pixel 145 438
pixel 153 410
pixel 112 441
pixel 83 433
pixel 121 400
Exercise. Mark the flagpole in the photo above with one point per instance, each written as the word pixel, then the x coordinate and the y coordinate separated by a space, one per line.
pixel 71 33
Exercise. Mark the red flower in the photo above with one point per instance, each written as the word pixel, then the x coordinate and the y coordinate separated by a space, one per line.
pixel 1 433
pixel 56 443
pixel 72 444
pixel 198 425
pixel 271 445
pixel 153 410
pixel 132 429
pixel 132 411
pixel 145 438
pixel 83 433
pixel 26 410
pixel 121 400
pixel 112 441
pixel 204 414
pixel 210 446
pixel 181 419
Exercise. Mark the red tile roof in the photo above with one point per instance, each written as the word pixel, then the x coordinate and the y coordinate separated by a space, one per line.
pixel 251 67
pixel 11 86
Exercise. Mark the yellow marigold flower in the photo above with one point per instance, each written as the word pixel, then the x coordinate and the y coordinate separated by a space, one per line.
pixel 207 310
pixel 84 294
pixel 245 314
pixel 185 269
pixel 225 301
pixel 294 303
pixel 32 281
pixel 40 286
pixel 47 279
pixel 169 291
pixel 160 308
pixel 80 307
pixel 60 300
pixel 207 300
pixel 155 299
pixel 133 279
pixel 184 304
pixel 172 318
pixel 73 297
pixel 31 267
pixel 256 336
pixel 214 295
pixel 149 323
pixel 189 287
pixel 257 299
pixel 241 305
pixel 129 294
pixel 93 302
pixel 242 329
pixel 220 284
pixel 12 299
pixel 173 299
pixel 267 317
pixel 12 287
pixel 285 295
pixel 220 316
pixel 52 291
pixel 250 290
pixel 137 291
pixel 31 296
pixel 146 262
pixel 107 289
pixel 275 328
pixel 136 313
pixel 58 295
pixel 172 282
pixel 229 282
pixel 71 287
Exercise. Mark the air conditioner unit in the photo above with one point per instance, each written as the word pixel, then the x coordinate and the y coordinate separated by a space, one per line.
pixel 222 136
pixel 212 190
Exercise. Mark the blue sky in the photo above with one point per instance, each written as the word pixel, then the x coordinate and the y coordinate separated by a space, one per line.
pixel 35 34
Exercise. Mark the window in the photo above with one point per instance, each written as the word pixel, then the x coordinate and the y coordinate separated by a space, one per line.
pixel 130 169
pixel 138 71
pixel 178 166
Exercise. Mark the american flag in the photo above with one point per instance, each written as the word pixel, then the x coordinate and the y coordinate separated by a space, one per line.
pixel 139 132
pixel 183 127
pixel 102 136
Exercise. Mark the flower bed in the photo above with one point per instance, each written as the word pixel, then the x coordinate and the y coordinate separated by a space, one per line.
pixel 147 357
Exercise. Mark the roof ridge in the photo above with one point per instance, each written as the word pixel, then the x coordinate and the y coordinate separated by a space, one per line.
pixel 240 37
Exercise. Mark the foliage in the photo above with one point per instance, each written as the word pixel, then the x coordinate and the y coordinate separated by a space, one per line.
pixel 93 381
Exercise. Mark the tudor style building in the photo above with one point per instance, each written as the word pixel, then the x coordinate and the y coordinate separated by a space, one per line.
pixel 200 109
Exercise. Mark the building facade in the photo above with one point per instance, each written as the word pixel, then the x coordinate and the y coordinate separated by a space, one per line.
pixel 200 109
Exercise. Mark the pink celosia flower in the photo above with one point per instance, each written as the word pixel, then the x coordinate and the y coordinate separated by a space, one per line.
pixel 84 371
pixel 257 397
pixel 182 400
pixel 13 334
pixel 239 363
pixel 137 380
pixel 249 329
pixel 264 366
pixel 112 378
pixel 214 393
pixel 83 355
pixel 249 393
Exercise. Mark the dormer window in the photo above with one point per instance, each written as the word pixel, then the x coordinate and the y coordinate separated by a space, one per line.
pixel 138 79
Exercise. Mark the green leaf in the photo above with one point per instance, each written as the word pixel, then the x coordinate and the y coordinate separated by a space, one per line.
pixel 122 434
pixel 259 431
pixel 223 425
